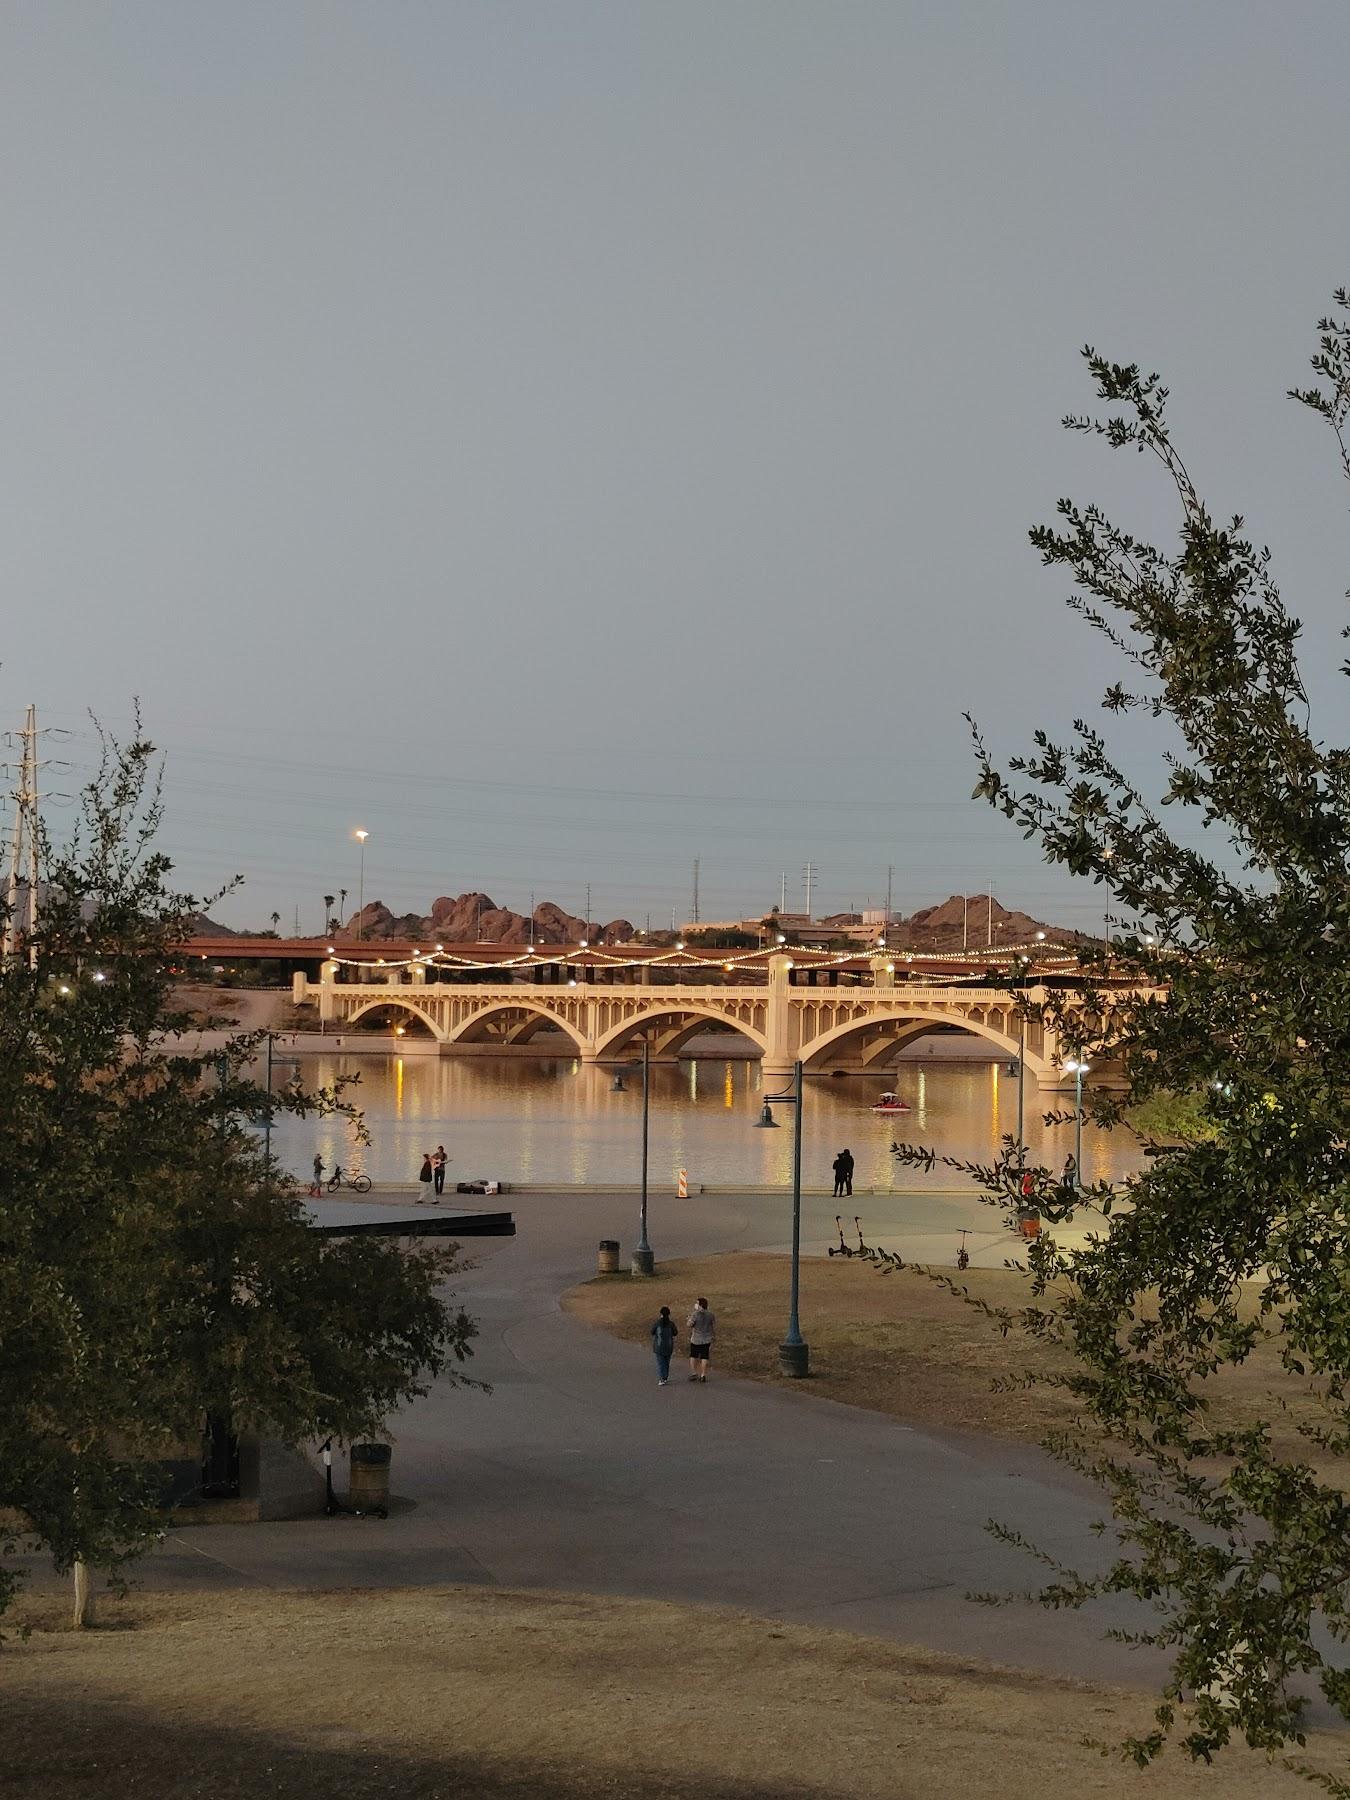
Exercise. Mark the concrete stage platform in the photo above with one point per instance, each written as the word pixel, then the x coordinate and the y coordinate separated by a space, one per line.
pixel 384 1218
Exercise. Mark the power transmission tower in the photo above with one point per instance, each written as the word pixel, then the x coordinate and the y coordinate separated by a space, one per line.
pixel 890 883
pixel 809 873
pixel 782 893
pixel 23 848
pixel 695 890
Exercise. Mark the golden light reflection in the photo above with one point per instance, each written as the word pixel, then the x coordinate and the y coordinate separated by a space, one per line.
pixel 554 1120
pixel 996 1070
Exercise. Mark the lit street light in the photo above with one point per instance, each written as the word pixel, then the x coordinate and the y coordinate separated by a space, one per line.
pixel 1078 1070
pixel 793 1352
pixel 361 837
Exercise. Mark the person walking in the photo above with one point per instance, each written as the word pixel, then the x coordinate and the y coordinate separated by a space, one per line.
pixel 846 1157
pixel 839 1175
pixel 318 1172
pixel 702 1326
pixel 424 1176
pixel 663 1335
pixel 438 1163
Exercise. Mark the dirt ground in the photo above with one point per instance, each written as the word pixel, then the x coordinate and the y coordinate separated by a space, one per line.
pixel 903 1345
pixel 426 1693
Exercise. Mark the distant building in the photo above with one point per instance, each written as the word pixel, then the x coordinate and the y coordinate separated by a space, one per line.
pixel 795 928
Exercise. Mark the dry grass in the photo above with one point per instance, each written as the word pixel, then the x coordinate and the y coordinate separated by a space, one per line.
pixel 477 1692
pixel 906 1346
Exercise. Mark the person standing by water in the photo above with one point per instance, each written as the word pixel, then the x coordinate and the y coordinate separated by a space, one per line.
pixel 424 1176
pixel 318 1172
pixel 846 1158
pixel 839 1175
pixel 438 1163
pixel 663 1335
pixel 702 1325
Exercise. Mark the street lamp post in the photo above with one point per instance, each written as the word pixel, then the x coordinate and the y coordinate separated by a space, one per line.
pixel 644 1257
pixel 794 1353
pixel 1078 1069
pixel 267 1115
pixel 361 837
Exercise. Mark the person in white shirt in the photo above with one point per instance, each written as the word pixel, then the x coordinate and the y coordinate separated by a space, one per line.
pixel 702 1325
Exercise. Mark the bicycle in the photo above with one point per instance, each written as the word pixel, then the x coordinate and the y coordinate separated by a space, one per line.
pixel 359 1184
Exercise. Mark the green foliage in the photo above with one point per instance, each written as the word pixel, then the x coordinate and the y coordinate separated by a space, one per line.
pixel 1234 1027
pixel 154 1266
pixel 1169 1118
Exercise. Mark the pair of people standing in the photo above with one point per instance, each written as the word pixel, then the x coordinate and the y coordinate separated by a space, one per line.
pixel 432 1172
pixel 701 1325
pixel 843 1173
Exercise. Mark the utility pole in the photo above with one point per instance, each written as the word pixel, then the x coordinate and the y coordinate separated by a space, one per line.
pixel 965 921
pixel 588 910
pixel 808 882
pixel 890 883
pixel 532 919
pixel 990 939
pixel 23 848
pixel 782 893
pixel 695 890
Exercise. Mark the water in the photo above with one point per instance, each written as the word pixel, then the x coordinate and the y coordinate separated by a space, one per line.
pixel 545 1121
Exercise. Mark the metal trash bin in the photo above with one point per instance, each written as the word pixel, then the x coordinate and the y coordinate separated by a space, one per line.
pixel 607 1262
pixel 370 1477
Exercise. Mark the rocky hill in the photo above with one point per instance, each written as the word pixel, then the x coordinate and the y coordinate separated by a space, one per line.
pixel 477 919
pixel 942 927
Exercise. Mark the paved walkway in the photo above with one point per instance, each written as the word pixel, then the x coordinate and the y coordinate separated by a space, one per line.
pixel 579 1472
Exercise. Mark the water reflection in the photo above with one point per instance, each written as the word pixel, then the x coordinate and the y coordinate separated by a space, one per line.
pixel 542 1120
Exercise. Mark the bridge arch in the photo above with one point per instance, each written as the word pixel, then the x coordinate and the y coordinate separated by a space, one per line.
pixel 383 1003
pixel 903 1026
pixel 689 1018
pixel 537 1019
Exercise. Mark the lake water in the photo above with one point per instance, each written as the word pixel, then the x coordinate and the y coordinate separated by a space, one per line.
pixel 544 1121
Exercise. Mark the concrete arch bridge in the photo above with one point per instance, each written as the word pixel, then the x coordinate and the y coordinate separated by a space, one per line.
pixel 854 1028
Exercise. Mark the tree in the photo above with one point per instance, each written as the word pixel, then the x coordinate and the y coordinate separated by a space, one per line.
pixel 1238 1236
pixel 155 1268
pixel 328 920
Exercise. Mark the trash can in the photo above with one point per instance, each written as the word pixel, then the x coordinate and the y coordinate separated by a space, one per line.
pixel 607 1263
pixel 370 1477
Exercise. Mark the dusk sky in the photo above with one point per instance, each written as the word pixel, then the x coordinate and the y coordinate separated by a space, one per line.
pixel 570 439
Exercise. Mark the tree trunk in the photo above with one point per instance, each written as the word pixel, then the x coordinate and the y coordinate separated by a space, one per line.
pixel 84 1597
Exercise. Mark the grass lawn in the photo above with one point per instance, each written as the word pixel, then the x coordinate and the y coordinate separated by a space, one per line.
pixel 472 1692
pixel 903 1345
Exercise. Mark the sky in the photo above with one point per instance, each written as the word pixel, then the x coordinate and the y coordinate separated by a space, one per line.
pixel 569 439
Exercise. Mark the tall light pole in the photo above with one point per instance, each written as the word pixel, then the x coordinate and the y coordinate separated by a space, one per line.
pixel 794 1354
pixel 644 1257
pixel 361 837
pixel 1022 1071
pixel 1078 1069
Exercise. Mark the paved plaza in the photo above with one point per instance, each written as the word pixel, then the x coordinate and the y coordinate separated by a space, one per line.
pixel 578 1472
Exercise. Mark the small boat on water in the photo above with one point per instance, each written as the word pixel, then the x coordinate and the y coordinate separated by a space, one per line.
pixel 890 1103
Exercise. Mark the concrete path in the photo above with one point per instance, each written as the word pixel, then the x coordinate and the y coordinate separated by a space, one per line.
pixel 579 1472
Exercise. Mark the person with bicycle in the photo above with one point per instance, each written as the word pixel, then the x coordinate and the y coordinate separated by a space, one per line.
pixel 318 1173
